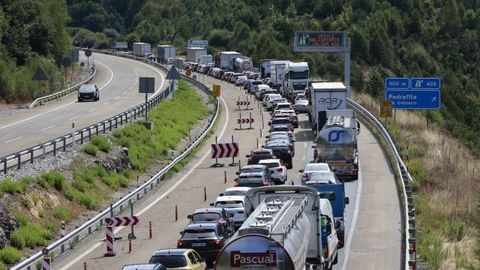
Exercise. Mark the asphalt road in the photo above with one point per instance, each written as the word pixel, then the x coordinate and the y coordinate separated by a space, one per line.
pixel 117 79
pixel 373 236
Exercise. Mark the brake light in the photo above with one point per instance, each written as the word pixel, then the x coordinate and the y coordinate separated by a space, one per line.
pixel 181 244
pixel 326 251
pixel 265 183
pixel 216 242
pixel 235 183
pixel 280 169
pixel 306 176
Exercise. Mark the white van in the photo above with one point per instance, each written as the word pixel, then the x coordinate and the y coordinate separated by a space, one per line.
pixel 329 234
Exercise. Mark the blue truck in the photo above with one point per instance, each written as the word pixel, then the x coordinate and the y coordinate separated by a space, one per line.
pixel 335 193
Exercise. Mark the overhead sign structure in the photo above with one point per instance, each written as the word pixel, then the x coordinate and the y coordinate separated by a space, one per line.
pixel 199 43
pixel 386 110
pixel 319 41
pixel 413 93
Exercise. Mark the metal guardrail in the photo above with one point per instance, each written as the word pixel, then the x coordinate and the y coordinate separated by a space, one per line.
pixel 410 234
pixel 54 96
pixel 85 230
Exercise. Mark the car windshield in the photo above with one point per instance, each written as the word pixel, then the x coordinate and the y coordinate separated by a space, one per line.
pixel 250 170
pixel 271 164
pixel 229 204
pixel 235 193
pixel 169 261
pixel 205 217
pixel 139 267
pixel 87 88
pixel 280 121
pixel 317 167
pixel 196 234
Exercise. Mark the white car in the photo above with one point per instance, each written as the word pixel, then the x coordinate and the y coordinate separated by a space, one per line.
pixel 278 172
pixel 234 205
pixel 235 191
pixel 311 168
pixel 283 105
pixel 241 80
pixel 259 88
pixel 322 178
pixel 273 100
pixel 267 97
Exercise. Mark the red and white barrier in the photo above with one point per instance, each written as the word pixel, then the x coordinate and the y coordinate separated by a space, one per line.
pixel 109 240
pixel 224 150
pixel 46 263
pixel 123 221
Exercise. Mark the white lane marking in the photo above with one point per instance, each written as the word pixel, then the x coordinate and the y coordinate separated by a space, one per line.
pixel 118 229
pixel 58 108
pixel 105 103
pixel 92 110
pixel 48 127
pixel 354 219
pixel 116 97
pixel 16 139
pixel 73 118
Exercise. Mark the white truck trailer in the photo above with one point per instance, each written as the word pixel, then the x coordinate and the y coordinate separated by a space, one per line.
pixel 165 52
pixel 227 59
pixel 141 49
pixel 325 96
pixel 278 68
pixel 296 78
pixel 194 53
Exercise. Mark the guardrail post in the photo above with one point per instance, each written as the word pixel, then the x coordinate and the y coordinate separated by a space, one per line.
pixel 90 133
pixel 116 122
pixel 110 124
pixel 54 148
pixel 5 165
pixel 103 127
pixel 121 119
pixel 19 157
pixel 31 155
pixel 64 144
pixel 81 136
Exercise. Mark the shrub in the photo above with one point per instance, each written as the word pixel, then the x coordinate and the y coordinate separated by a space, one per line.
pixel 80 185
pixel 86 200
pixel 62 214
pixel 90 149
pixel 111 180
pixel 101 143
pixel 30 235
pixel 50 179
pixel 100 171
pixel 9 255
pixel 9 186
pixel 21 218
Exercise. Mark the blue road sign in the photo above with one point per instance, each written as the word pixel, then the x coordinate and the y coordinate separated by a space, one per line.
pixel 397 83
pixel 425 83
pixel 414 99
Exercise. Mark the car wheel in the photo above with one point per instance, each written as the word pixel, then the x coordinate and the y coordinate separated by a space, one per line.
pixel 79 100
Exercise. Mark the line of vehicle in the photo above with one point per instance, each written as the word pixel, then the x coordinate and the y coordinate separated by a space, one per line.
pixel 161 197
pixel 60 107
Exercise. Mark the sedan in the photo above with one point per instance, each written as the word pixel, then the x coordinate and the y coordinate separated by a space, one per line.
pixel 278 172
pixel 179 258
pixel 301 106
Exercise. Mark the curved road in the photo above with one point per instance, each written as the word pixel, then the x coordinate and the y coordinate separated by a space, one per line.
pixel 373 217
pixel 117 79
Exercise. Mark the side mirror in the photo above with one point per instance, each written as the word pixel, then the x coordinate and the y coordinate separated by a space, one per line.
pixel 221 194
pixel 212 204
pixel 189 216
pixel 347 200
pixel 300 170
pixel 247 156
pixel 238 173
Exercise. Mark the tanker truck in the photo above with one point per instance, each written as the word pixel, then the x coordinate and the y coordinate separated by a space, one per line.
pixel 289 229
pixel 242 64
pixel 336 143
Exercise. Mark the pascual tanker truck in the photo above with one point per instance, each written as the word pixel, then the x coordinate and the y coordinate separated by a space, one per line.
pixel 288 230
pixel 336 143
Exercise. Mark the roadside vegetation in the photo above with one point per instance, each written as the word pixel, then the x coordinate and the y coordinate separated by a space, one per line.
pixel 446 188
pixel 64 195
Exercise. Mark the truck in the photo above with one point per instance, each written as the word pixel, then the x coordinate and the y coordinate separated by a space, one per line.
pixel 336 143
pixel 194 53
pixel 242 64
pixel 296 79
pixel 165 52
pixel 335 193
pixel 205 59
pixel 227 59
pixel 265 68
pixel 289 228
pixel 323 96
pixel 278 68
pixel 141 49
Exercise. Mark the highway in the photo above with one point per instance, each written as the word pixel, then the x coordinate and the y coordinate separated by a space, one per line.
pixel 117 79
pixel 373 239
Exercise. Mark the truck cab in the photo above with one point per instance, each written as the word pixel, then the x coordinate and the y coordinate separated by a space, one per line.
pixel 296 78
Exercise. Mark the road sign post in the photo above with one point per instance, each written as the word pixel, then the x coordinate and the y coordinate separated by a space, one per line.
pixel 146 85
pixel 233 155
pixel 172 75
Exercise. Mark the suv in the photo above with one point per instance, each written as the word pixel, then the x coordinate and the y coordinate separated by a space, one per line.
pixel 88 91
pixel 253 179
pixel 311 168
pixel 278 172
pixel 234 205
pixel 205 238
pixel 282 150
pixel 179 259
pixel 258 154
pixel 212 215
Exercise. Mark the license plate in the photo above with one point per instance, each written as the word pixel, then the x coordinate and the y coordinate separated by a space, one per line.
pixel 198 244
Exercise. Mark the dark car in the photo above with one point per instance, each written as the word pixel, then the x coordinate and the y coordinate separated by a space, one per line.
pixel 253 179
pixel 282 151
pixel 88 91
pixel 282 140
pixel 282 127
pixel 259 154
pixel 212 215
pixel 205 238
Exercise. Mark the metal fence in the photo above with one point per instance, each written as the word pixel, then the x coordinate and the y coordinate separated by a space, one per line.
pixel 54 96
pixel 96 223
pixel 409 226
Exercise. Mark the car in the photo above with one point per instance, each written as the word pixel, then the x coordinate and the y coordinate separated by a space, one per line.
pixel 257 89
pixel 235 205
pixel 253 168
pixel 88 91
pixel 271 105
pixel 212 215
pixel 267 97
pixel 251 87
pixel 290 114
pixel 258 154
pixel 301 106
pixel 280 136
pixel 278 170
pixel 286 140
pixel 236 191
pixel 282 150
pixel 283 105
pixel 289 134
pixel 253 179
pixel 144 266
pixel 269 102
pixel 205 238
pixel 240 80
pixel 234 77
pixel 322 178
pixel 280 121
pixel 311 168
pixel 179 258
pixel 282 127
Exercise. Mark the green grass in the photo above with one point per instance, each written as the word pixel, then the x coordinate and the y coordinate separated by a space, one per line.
pixel 101 143
pixel 52 179
pixel 9 255
pixel 90 149
pixel 10 186
pixel 62 214
pixel 31 235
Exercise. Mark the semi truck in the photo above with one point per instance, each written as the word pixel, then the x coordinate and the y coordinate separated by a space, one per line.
pixel 165 52
pixel 227 58
pixel 194 53
pixel 265 68
pixel 296 79
pixel 141 49
pixel 336 143
pixel 324 96
pixel 205 59
pixel 242 64
pixel 289 228
pixel 278 68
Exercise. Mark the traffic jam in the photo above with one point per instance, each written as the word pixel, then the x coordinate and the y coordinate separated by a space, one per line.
pixel 266 221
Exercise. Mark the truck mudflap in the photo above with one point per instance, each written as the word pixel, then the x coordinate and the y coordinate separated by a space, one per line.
pixel 344 170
